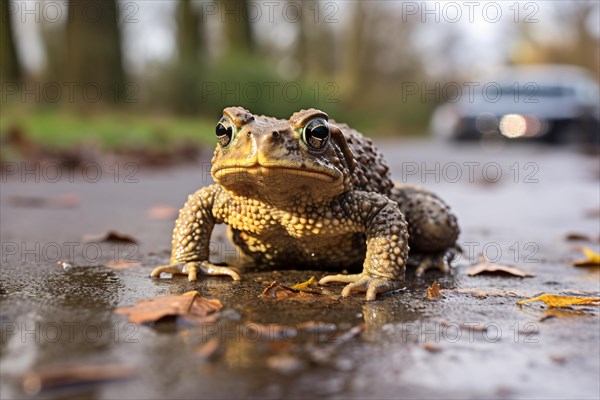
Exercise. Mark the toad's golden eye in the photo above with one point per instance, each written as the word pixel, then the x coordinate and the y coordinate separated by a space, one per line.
pixel 316 134
pixel 224 131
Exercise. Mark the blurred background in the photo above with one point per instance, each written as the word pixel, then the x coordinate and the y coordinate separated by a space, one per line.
pixel 150 78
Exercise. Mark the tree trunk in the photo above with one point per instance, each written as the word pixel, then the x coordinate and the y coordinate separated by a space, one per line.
pixel 238 28
pixel 314 46
pixel 10 68
pixel 356 61
pixel 189 39
pixel 94 59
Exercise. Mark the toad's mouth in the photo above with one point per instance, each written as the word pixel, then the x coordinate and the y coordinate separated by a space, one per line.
pixel 274 171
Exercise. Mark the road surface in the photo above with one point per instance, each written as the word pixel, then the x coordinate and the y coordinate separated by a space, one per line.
pixel 515 205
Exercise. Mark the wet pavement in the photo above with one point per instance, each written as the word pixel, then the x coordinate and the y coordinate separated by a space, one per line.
pixel 515 204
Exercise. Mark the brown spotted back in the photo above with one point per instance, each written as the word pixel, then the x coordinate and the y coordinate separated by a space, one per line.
pixel 371 173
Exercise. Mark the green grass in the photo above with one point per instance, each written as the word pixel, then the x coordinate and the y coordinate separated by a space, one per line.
pixel 57 129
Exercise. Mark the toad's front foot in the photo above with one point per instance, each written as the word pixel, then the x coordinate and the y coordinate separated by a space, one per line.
pixel 363 282
pixel 191 270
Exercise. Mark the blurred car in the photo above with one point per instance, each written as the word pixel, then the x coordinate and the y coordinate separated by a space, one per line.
pixel 553 103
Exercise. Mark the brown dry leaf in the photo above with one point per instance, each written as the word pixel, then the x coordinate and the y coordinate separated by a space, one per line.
pixel 160 212
pixel 433 291
pixel 559 359
pixel 34 382
pixel 592 259
pixel 190 305
pixel 110 236
pixel 553 300
pixel 432 347
pixel 484 266
pixel 122 264
pixel 312 282
pixel 68 200
pixel 578 237
pixel 275 291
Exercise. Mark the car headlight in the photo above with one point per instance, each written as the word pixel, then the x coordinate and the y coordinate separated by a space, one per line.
pixel 517 125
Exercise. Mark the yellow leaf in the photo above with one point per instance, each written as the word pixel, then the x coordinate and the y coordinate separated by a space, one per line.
pixel 592 259
pixel 434 291
pixel 305 285
pixel 553 300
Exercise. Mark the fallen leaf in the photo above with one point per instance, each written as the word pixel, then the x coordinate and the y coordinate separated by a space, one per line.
pixel 558 358
pixel 160 212
pixel 34 382
pixel 578 237
pixel 110 236
pixel 312 282
pixel 432 347
pixel 553 300
pixel 275 291
pixel 189 304
pixel 433 291
pixel 592 259
pixel 122 264
pixel 484 266
pixel 68 200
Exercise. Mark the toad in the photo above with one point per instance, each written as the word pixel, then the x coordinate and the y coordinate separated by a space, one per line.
pixel 310 193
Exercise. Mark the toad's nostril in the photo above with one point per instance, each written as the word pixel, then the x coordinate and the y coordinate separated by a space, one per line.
pixel 275 134
pixel 249 133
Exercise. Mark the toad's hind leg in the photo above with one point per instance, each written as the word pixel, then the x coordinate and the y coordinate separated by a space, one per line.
pixel 432 227
pixel 423 261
